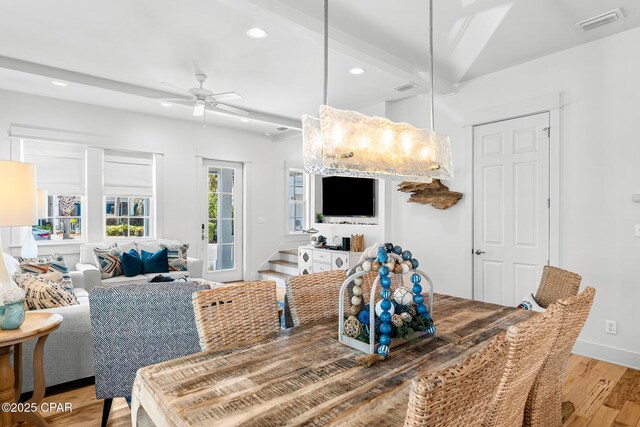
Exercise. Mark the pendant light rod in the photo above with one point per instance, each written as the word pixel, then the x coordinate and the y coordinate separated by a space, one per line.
pixel 432 115
pixel 326 54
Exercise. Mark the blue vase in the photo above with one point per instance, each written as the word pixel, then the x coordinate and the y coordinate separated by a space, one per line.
pixel 12 315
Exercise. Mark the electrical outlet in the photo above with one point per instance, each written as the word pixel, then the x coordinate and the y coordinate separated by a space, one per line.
pixel 637 229
pixel 611 327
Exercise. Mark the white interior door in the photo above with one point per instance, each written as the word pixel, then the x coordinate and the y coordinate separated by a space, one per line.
pixel 221 228
pixel 511 207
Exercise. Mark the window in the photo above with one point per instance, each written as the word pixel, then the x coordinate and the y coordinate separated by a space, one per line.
pixel 128 189
pixel 221 213
pixel 128 216
pixel 63 221
pixel 61 172
pixel 296 201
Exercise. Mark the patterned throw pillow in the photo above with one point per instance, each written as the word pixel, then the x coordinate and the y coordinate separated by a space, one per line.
pixel 109 261
pixel 530 303
pixel 45 264
pixel 177 255
pixel 43 293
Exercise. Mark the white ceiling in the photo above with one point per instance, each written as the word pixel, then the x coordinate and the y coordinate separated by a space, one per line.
pixel 147 42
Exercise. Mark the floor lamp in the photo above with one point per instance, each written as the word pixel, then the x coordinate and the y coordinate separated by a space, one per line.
pixel 18 203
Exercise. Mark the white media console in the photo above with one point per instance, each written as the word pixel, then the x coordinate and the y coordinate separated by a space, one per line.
pixel 316 260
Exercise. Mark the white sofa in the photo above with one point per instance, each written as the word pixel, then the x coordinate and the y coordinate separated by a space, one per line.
pixel 60 364
pixel 88 264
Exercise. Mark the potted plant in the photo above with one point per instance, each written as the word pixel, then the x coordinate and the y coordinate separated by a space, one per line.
pixel 319 217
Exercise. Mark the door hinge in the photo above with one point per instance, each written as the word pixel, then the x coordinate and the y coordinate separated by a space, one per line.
pixel 548 203
pixel 548 130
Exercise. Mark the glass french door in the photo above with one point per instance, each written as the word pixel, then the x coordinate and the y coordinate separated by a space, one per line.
pixel 221 231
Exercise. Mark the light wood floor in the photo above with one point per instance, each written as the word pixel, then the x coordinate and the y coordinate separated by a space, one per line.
pixel 596 393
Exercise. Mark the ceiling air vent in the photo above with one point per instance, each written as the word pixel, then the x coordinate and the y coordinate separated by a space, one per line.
pixel 406 86
pixel 603 19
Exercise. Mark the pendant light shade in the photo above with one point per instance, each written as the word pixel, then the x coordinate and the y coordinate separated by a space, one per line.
pixel 349 143
pixel 342 142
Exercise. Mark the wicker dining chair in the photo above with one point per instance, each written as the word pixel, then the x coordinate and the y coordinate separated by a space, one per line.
pixel 556 284
pixel 458 395
pixel 544 404
pixel 228 314
pixel 529 344
pixel 312 297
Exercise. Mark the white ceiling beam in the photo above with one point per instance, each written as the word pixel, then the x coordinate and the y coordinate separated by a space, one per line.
pixel 128 88
pixel 339 41
pixel 255 116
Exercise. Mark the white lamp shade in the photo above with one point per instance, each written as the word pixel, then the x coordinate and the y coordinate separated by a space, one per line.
pixel 43 204
pixel 18 195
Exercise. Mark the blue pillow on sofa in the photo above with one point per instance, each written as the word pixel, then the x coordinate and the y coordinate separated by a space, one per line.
pixel 131 263
pixel 157 262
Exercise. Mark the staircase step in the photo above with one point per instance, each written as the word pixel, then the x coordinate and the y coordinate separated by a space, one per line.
pixel 289 251
pixel 285 263
pixel 275 273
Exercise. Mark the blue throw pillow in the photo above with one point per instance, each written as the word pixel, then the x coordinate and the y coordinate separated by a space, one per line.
pixel 157 262
pixel 131 263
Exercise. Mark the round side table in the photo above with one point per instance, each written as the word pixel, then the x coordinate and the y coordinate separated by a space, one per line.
pixel 36 326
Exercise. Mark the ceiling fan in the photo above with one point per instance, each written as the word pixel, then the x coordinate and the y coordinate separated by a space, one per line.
pixel 202 97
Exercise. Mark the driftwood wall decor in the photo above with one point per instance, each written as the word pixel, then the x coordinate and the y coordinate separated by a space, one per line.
pixel 435 193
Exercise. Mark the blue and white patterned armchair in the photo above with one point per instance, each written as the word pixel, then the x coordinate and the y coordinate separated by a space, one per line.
pixel 136 325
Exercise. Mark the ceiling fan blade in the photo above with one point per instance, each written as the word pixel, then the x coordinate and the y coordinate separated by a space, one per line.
pixel 226 96
pixel 231 109
pixel 175 99
pixel 185 91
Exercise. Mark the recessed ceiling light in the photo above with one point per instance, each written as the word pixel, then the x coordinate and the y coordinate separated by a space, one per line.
pixel 165 104
pixel 244 120
pixel 357 71
pixel 59 83
pixel 257 33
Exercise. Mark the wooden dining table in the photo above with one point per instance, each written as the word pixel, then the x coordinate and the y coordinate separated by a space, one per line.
pixel 304 376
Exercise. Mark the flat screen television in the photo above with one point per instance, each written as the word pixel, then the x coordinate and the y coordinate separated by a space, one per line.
pixel 343 196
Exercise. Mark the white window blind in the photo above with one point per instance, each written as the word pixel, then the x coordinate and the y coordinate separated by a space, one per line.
pixel 61 168
pixel 128 173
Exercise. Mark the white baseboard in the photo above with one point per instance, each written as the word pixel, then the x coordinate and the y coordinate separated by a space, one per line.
pixel 608 354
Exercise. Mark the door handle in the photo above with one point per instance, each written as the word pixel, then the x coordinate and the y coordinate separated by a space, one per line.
pixel 479 252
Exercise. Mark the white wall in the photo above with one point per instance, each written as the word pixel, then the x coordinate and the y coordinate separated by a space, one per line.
pixel 180 142
pixel 600 170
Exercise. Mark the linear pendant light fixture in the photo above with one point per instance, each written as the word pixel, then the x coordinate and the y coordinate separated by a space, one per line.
pixel 349 143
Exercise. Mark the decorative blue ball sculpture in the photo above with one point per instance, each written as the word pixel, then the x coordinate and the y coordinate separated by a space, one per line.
pixel 363 316
pixel 388 257
pixel 386 328
pixel 385 316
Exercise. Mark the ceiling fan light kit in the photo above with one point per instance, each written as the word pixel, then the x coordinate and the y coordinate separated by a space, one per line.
pixel 348 143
